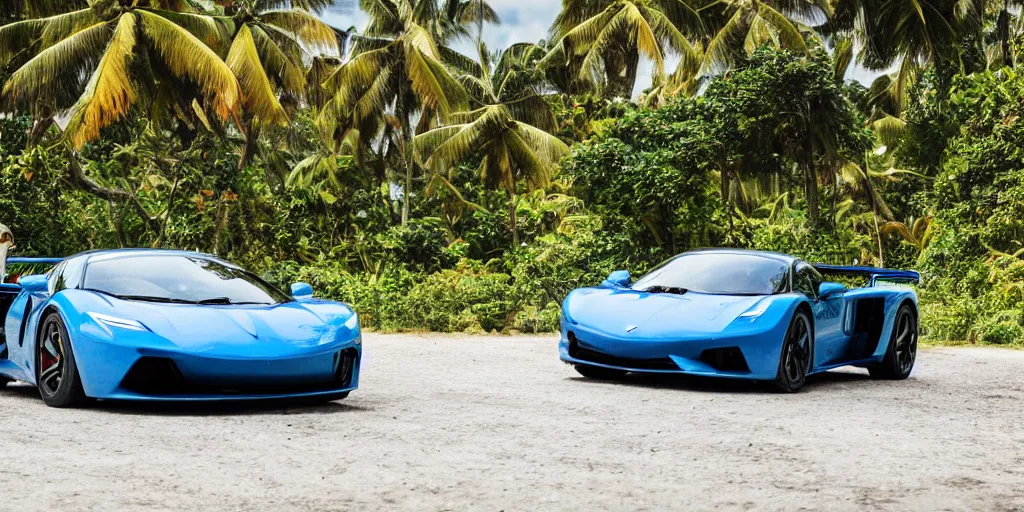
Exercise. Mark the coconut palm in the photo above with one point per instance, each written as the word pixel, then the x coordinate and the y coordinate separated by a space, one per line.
pixel 912 34
pixel 101 61
pixel 741 26
pixel 505 129
pixel 267 55
pixel 397 70
pixel 601 42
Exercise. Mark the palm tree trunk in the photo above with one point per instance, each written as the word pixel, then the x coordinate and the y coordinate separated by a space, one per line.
pixel 621 68
pixel 39 129
pixel 727 198
pixel 878 235
pixel 407 192
pixel 811 193
pixel 512 216
pixel 251 140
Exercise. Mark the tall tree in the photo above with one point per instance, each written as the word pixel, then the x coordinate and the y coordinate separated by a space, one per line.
pixel 103 60
pixel 601 42
pixel 507 129
pixel 913 34
pixel 268 53
pixel 739 27
pixel 398 66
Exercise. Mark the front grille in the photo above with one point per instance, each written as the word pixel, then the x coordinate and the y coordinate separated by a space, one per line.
pixel 593 356
pixel 729 359
pixel 161 376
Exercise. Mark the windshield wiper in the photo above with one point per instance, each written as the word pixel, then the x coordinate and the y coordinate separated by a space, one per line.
pixel 674 290
pixel 148 298
pixel 215 300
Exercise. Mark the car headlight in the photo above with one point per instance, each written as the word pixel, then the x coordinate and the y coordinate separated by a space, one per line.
pixel 757 310
pixel 108 322
pixel 353 322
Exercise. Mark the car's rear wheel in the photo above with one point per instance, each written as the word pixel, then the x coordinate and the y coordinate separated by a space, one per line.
pixel 4 381
pixel 599 373
pixel 795 359
pixel 902 352
pixel 56 371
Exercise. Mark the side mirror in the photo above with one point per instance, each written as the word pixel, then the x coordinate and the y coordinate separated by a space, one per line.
pixel 829 290
pixel 619 278
pixel 302 290
pixel 35 283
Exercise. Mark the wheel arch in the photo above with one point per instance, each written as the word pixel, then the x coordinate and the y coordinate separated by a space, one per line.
pixel 805 306
pixel 907 301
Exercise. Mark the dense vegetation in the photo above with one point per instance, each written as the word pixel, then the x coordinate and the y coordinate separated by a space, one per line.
pixel 433 190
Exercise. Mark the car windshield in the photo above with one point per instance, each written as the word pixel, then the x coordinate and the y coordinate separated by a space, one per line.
pixel 716 273
pixel 179 279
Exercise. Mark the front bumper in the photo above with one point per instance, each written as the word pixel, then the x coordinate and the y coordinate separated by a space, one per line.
pixel 116 371
pixel 751 353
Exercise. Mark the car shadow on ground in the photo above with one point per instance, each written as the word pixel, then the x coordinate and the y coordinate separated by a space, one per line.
pixel 717 385
pixel 241 408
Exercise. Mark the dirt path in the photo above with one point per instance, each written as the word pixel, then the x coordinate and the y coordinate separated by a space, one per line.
pixel 495 423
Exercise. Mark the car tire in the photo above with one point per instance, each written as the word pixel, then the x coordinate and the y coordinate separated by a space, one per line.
pixel 4 381
pixel 795 357
pixel 902 352
pixel 57 377
pixel 599 373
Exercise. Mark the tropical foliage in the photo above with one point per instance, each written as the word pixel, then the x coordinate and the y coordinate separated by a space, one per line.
pixel 451 192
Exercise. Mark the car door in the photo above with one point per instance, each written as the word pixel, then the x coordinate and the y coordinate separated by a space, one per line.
pixel 829 340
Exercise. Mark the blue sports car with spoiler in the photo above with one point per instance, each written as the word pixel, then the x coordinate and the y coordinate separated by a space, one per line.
pixel 744 315
pixel 170 325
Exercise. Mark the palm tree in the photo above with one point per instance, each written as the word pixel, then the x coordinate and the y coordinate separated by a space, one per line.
pixel 507 129
pixel 1006 29
pixel 101 61
pixel 912 34
pixel 397 70
pixel 601 42
pixel 741 26
pixel 267 55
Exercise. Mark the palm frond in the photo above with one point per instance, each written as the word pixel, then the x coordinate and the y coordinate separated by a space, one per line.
pixel 258 93
pixel 187 57
pixel 110 93
pixel 277 63
pixel 307 27
pixel 214 31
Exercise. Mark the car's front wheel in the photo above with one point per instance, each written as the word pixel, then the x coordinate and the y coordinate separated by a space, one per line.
pixel 902 352
pixel 795 359
pixel 56 371
pixel 599 373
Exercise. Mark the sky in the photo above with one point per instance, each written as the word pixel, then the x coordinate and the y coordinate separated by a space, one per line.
pixel 523 21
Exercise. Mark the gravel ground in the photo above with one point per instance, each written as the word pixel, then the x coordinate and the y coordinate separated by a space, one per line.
pixel 492 423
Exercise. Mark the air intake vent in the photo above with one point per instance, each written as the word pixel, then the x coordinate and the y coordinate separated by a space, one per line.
pixel 729 359
pixel 154 376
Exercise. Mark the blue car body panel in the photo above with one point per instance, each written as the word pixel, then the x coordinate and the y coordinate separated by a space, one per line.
pixel 303 348
pixel 613 326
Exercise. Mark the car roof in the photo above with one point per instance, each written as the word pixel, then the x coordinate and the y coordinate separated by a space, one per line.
pixel 108 254
pixel 785 258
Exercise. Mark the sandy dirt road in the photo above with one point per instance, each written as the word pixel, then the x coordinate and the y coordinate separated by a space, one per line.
pixel 492 423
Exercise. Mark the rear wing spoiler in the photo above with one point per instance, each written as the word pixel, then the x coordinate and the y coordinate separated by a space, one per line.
pixel 17 267
pixel 873 274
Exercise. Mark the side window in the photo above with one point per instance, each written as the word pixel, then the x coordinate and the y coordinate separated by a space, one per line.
pixel 806 280
pixel 67 275
pixel 55 276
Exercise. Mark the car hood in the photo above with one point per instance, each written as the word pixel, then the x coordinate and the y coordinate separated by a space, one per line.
pixel 617 312
pixel 243 330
